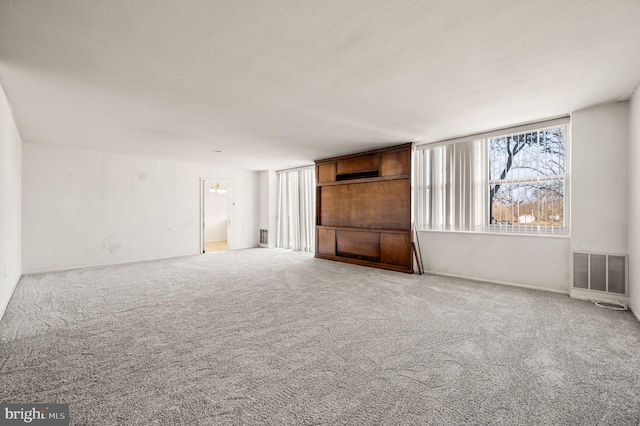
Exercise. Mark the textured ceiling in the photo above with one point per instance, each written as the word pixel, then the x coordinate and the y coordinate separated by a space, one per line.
pixel 274 83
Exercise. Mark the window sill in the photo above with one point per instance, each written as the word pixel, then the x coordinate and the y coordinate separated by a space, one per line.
pixel 499 234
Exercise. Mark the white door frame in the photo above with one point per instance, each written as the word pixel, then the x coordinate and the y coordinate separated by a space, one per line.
pixel 205 184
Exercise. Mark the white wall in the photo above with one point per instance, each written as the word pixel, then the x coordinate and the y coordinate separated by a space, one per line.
pixel 599 179
pixel 598 212
pixel 634 203
pixel 216 207
pixel 10 203
pixel 75 200
pixel 531 261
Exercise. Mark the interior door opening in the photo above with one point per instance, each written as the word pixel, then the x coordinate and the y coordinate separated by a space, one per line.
pixel 215 216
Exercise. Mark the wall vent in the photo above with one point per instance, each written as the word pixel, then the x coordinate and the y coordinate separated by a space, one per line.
pixel 600 272
pixel 264 238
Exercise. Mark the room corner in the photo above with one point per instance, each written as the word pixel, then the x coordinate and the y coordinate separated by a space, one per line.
pixel 634 202
pixel 10 203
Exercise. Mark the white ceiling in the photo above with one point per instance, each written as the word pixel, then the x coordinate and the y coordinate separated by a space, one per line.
pixel 279 83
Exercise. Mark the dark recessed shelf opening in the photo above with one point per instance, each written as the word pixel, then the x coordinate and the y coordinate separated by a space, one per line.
pixel 359 256
pixel 358 175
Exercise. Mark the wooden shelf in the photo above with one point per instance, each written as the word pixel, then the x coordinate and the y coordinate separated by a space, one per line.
pixel 345 228
pixel 365 180
pixel 363 208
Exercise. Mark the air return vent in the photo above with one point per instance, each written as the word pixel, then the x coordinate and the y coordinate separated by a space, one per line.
pixel 600 272
pixel 264 238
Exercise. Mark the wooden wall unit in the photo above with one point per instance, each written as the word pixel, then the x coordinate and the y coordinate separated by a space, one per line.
pixel 363 208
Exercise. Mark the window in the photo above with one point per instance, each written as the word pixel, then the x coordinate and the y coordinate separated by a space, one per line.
pixel 527 180
pixel 499 182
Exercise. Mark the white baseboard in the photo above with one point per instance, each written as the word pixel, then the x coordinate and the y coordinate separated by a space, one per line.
pixel 577 293
pixel 124 262
pixel 5 303
pixel 485 280
pixel 95 265
pixel 636 312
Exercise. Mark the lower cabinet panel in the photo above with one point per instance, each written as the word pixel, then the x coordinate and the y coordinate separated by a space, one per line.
pixel 358 245
pixel 327 241
pixel 387 250
pixel 395 249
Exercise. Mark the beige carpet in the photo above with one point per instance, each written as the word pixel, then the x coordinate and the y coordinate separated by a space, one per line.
pixel 272 337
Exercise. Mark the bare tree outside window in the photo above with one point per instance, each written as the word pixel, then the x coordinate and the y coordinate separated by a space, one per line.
pixel 527 179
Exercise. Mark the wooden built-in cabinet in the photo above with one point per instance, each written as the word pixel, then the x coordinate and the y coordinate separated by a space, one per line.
pixel 364 208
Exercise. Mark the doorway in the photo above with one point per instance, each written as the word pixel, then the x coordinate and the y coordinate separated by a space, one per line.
pixel 215 196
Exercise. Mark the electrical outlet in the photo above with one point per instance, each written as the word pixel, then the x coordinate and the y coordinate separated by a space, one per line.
pixel 105 245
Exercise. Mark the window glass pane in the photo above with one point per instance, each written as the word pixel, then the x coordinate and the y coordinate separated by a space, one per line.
pixel 552 152
pixel 528 155
pixel 551 197
pixel 497 157
pixel 528 203
pixel 523 151
pixel 514 204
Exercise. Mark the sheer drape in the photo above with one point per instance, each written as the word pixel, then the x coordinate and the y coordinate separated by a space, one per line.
pixel 296 210
pixel 452 187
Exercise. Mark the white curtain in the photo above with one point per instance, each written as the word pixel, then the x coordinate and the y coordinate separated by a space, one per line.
pixel 452 187
pixel 296 210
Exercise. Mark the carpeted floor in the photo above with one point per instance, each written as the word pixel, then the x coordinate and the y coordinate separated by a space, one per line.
pixel 277 337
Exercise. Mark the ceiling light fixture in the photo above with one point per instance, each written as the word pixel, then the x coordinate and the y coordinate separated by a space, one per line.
pixel 219 189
